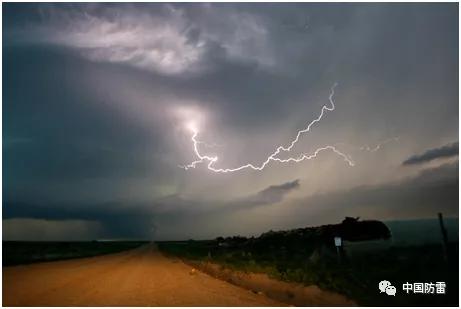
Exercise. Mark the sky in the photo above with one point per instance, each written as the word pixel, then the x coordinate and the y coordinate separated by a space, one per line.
pixel 103 105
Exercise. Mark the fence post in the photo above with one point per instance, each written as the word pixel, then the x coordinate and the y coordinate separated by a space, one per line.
pixel 444 237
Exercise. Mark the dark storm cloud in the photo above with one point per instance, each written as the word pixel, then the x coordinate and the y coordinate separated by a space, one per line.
pixel 177 204
pixel 253 62
pixel 446 151
pixel 272 194
pixel 256 71
pixel 58 132
pixel 118 210
pixel 87 87
pixel 137 220
pixel 116 219
pixel 433 190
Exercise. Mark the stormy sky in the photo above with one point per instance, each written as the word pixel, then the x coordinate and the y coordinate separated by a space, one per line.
pixel 98 100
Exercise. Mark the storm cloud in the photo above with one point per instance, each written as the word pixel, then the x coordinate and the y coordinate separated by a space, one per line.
pixel 446 151
pixel 430 191
pixel 123 220
pixel 273 194
pixel 98 98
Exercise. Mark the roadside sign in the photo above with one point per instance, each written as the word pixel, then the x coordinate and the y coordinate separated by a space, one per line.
pixel 338 241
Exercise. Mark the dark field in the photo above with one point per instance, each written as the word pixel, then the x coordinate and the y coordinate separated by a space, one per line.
pixel 24 252
pixel 303 258
pixel 356 277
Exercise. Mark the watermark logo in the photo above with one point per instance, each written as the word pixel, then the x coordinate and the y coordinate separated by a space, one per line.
pixel 438 287
pixel 386 287
pixel 391 290
pixel 425 287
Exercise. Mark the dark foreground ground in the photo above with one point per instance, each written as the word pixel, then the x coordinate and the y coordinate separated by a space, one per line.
pixel 84 281
pixel 138 277
pixel 356 277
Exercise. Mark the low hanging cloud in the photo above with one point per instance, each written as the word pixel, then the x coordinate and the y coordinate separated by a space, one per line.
pixel 50 230
pixel 431 191
pixel 270 195
pixel 120 220
pixel 273 194
pixel 446 151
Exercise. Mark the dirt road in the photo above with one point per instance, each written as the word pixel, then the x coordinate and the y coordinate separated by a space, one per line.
pixel 140 277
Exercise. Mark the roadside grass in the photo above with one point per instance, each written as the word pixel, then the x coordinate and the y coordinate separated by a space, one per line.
pixel 356 277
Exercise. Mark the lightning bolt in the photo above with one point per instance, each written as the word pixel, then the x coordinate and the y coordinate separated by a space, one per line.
pixel 378 146
pixel 273 156
pixel 367 147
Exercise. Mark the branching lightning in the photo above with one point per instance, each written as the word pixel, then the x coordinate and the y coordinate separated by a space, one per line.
pixel 273 156
pixel 378 146
pixel 368 148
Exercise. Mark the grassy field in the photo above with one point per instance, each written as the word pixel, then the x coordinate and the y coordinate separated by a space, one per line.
pixel 24 252
pixel 356 277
